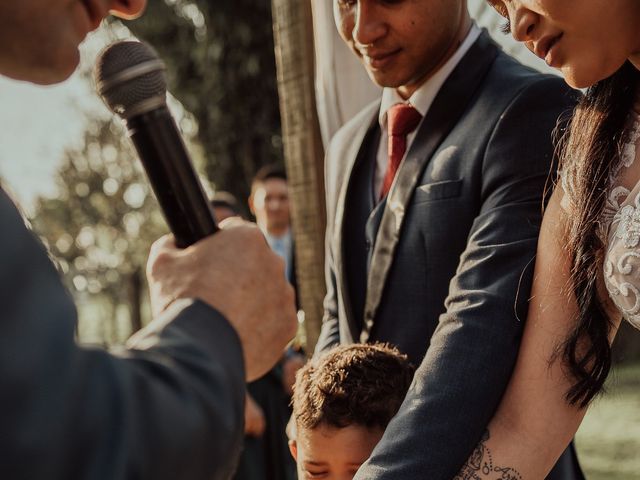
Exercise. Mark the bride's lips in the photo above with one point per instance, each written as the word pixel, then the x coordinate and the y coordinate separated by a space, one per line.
pixel 378 59
pixel 544 48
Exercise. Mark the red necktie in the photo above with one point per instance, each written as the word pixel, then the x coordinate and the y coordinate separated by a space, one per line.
pixel 402 119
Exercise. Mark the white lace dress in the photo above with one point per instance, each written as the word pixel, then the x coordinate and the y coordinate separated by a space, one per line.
pixel 620 227
pixel 621 230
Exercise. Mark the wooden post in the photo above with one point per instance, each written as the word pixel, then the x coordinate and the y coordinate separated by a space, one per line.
pixel 293 32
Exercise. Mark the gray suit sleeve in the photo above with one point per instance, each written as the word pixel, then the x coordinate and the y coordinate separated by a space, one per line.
pixel 458 386
pixel 330 332
pixel 170 406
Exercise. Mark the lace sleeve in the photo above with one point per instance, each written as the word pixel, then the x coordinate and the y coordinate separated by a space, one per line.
pixel 622 217
pixel 622 261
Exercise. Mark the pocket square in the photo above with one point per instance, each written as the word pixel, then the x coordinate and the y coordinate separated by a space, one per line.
pixel 438 190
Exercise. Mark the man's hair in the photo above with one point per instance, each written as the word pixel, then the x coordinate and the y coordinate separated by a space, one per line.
pixel 225 200
pixel 352 385
pixel 269 171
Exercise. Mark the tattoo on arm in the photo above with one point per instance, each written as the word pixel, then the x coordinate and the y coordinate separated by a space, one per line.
pixel 480 465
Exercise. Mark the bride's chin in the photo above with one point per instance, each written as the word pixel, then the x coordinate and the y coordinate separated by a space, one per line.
pixel 574 83
pixel 586 74
pixel 576 78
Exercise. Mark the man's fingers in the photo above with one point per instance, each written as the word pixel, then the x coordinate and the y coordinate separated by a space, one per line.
pixel 232 222
pixel 159 253
pixel 166 242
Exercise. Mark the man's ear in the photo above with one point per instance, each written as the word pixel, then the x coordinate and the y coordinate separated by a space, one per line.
pixel 293 448
pixel 250 203
pixel 127 9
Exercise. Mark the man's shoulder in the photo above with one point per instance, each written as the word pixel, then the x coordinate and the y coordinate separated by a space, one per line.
pixel 14 224
pixel 508 78
pixel 362 120
pixel 342 143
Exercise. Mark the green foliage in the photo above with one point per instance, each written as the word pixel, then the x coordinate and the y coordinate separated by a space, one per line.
pixel 102 222
pixel 220 57
pixel 608 441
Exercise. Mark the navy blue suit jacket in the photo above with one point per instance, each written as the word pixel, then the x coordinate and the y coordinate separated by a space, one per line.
pixel 170 406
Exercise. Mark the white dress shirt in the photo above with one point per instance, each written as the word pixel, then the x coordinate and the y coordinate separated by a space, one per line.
pixel 421 100
pixel 283 247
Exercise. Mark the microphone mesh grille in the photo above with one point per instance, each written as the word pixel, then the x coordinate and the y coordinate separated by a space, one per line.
pixel 125 94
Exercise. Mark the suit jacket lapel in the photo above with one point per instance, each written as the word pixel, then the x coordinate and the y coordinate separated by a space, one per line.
pixel 443 115
pixel 350 154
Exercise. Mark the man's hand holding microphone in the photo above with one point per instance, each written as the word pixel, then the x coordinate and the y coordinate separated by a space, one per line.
pixel 235 272
pixel 232 270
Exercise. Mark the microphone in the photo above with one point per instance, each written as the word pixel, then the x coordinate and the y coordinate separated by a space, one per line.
pixel 131 80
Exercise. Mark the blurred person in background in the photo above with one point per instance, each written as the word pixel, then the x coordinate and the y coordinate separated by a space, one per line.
pixel 224 205
pixel 266 452
pixel 269 203
pixel 171 404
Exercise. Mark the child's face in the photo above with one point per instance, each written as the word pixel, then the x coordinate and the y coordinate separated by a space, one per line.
pixel 333 453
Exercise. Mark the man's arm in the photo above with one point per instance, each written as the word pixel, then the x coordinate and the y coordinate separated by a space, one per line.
pixel 534 415
pixel 472 353
pixel 169 406
pixel 184 379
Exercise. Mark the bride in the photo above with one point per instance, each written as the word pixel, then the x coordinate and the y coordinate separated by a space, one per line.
pixel 587 274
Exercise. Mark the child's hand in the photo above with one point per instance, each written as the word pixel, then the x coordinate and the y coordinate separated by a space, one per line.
pixel 254 421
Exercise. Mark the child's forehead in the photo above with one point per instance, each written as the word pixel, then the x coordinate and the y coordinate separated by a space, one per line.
pixel 351 444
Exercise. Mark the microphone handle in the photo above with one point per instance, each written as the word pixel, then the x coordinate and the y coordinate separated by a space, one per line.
pixel 172 176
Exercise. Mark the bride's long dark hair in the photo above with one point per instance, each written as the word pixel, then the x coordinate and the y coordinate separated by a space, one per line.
pixel 590 152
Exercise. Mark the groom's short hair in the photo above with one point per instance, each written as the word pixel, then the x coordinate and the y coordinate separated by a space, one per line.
pixel 352 385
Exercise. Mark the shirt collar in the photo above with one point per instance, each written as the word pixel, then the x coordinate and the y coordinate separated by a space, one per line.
pixel 424 96
pixel 271 239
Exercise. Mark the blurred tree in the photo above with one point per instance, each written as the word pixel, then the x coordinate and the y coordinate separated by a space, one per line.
pixel 221 67
pixel 100 226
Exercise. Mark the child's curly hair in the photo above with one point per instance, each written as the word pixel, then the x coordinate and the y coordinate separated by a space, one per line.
pixel 352 385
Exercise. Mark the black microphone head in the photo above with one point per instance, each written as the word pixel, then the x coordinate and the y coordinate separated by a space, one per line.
pixel 131 78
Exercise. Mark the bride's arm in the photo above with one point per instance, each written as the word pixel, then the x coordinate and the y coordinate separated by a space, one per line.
pixel 534 422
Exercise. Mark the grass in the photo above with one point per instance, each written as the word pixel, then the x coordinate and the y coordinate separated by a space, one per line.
pixel 608 441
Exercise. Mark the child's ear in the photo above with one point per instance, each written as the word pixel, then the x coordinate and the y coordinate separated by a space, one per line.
pixel 293 448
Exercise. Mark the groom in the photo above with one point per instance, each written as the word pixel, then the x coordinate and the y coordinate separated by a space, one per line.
pixel 434 197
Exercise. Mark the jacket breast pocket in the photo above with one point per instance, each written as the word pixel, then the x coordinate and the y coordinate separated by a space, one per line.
pixel 430 192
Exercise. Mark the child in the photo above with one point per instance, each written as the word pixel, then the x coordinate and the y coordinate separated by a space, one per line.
pixel 342 403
